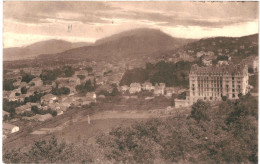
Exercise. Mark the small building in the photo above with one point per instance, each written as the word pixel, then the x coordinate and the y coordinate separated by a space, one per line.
pixel 23 108
pixel 147 86
pixel 169 91
pixel 48 99
pixel 134 88
pixel 181 103
pixel 124 88
pixel 9 128
pixel 159 89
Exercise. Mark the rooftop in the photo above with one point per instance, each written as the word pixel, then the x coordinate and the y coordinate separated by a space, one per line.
pixel 226 69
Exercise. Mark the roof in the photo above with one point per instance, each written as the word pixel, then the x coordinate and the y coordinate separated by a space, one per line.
pixel 135 85
pixel 48 96
pixel 227 69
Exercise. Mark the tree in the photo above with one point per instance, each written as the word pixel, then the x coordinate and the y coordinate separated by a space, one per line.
pixel 27 78
pixel 200 111
pixel 250 70
pixel 8 85
pixel 114 91
pixel 68 71
pixel 35 110
pixel 23 90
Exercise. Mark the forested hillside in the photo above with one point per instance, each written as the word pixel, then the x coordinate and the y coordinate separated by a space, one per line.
pixel 172 74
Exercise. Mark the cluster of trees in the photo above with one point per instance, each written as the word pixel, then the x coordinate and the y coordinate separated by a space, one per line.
pixel 47 76
pixel 253 80
pixel 36 97
pixel 68 71
pixel 36 110
pixel 26 77
pixel 9 106
pixel 8 84
pixel 87 87
pixel 60 91
pixel 219 132
pixel 172 74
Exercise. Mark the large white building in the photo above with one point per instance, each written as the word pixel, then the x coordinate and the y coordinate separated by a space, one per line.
pixel 213 82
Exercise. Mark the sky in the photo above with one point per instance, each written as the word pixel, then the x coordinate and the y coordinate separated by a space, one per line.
pixel 27 22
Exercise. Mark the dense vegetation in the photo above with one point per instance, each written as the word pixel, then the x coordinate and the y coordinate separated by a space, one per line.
pixel 172 74
pixel 48 76
pixel 36 97
pixel 27 77
pixel 226 134
pixel 223 134
pixel 253 80
pixel 8 84
pixel 60 91
pixel 87 87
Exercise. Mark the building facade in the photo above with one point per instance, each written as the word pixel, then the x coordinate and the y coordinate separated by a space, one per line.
pixel 212 83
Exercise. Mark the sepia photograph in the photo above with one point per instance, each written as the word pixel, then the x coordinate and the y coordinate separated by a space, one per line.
pixel 133 82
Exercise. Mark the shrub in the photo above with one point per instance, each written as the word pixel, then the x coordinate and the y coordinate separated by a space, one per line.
pixel 200 111
pixel 27 78
pixel 23 90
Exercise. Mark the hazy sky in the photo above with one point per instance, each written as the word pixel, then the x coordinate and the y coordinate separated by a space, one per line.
pixel 28 22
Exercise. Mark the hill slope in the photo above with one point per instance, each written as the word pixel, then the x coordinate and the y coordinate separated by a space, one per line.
pixel 38 48
pixel 130 44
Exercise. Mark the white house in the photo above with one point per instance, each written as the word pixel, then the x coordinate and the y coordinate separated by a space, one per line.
pixel 9 128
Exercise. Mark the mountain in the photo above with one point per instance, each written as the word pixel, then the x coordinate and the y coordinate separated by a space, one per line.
pixel 130 44
pixel 38 48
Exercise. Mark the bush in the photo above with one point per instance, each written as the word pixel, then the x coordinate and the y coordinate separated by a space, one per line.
pixel 60 91
pixel 200 111
pixel 23 90
pixel 8 85
pixel 27 78
pixel 43 151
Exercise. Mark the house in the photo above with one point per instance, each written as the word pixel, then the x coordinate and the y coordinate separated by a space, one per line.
pixel 45 88
pixel 90 97
pixel 224 62
pixel 6 94
pixel 169 91
pixel 207 60
pixel 159 89
pixel 105 87
pixel 147 86
pixel 9 128
pixel 134 88
pixel 48 99
pixel 23 108
pixel 37 82
pixel 124 88
pixel 181 103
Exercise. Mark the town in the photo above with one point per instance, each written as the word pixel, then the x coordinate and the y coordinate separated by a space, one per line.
pixel 130 82
pixel 39 94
